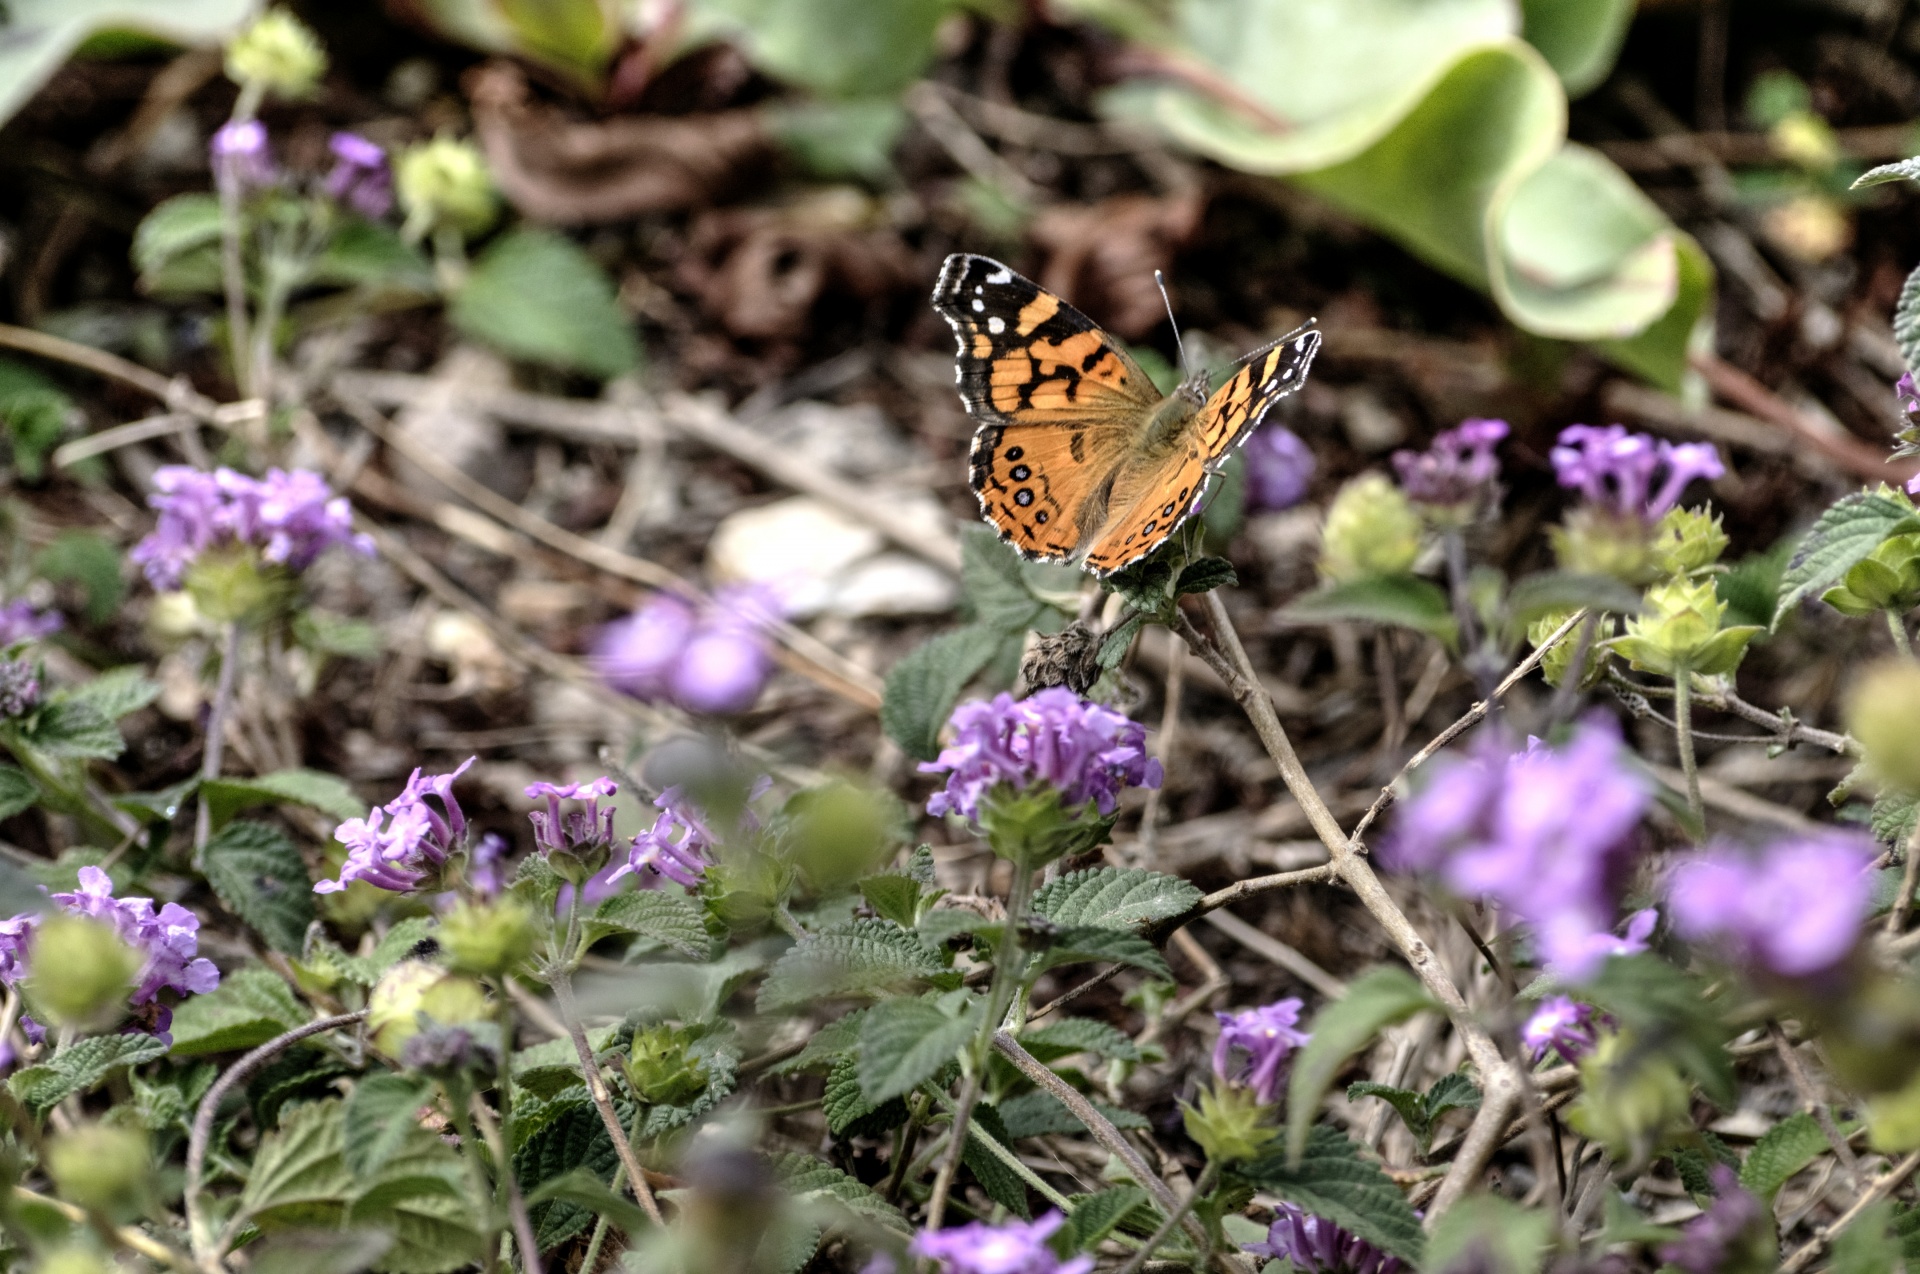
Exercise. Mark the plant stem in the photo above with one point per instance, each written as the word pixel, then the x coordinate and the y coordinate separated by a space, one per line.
pixel 1202 1186
pixel 517 1216
pixel 215 746
pixel 1683 736
pixel 562 983
pixel 1898 627
pixel 903 1147
pixel 477 1171
pixel 1008 963
pixel 1568 691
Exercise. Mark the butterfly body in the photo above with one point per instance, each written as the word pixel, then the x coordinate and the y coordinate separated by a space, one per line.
pixel 1078 456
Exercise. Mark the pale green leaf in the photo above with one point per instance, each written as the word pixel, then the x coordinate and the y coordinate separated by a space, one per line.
pixel 1399 601
pixel 80 1067
pixel 377 1117
pixel 923 687
pixel 251 1005
pixel 905 1041
pixel 1852 527
pixel 535 295
pixel 316 790
pixel 1784 1150
pixel 18 791
pixel 1332 1180
pixel 671 919
pixel 1340 1029
pixel 1114 898
pixel 261 878
pixel 862 957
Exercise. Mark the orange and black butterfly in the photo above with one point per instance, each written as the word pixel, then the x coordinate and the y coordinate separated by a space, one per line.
pixel 1079 458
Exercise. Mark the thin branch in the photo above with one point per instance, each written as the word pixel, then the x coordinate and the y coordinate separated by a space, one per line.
pixel 1810 1099
pixel 1880 1189
pixel 125 1235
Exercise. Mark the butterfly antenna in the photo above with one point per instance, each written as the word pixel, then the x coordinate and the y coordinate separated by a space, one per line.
pixel 1180 346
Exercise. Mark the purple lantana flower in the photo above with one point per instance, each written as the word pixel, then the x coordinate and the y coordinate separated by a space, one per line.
pixel 1458 470
pixel 402 845
pixel 1615 469
pixel 1056 738
pixel 292 517
pixel 1280 467
pixel 577 830
pixel 360 178
pixel 712 659
pixel 241 157
pixel 1315 1245
pixel 680 844
pixel 1254 1046
pixel 1561 1025
pixel 1710 1242
pixel 1794 909
pixel 1546 833
pixel 22 621
pixel 1015 1247
pixel 19 687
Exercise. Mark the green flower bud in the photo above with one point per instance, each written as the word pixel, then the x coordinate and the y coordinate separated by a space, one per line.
pixel 1883 713
pixel 444 183
pixel 660 1069
pixel 278 54
pixel 1594 542
pixel 83 972
pixel 1687 541
pixel 1555 664
pixel 1372 529
pixel 1679 632
pixel 103 1168
pixel 414 992
pixel 1631 1099
pixel 1805 139
pixel 488 938
pixel 1886 579
pixel 232 585
pixel 1230 1124
pixel 1032 827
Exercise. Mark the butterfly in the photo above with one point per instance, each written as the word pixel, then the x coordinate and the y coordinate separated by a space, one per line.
pixel 1078 457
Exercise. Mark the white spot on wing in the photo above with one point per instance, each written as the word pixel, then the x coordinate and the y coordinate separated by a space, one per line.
pixel 1303 342
pixel 978 305
pixel 996 325
pixel 1002 275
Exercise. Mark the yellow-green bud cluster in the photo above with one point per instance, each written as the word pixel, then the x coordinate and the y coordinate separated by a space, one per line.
pixel 1883 713
pixel 102 1167
pixel 277 54
pixel 1556 663
pixel 1230 1123
pixel 660 1068
pixel 1631 1099
pixel 83 972
pixel 488 938
pixel 1372 529
pixel 1886 579
pixel 444 184
pixel 1688 541
pixel 1680 632
pixel 414 993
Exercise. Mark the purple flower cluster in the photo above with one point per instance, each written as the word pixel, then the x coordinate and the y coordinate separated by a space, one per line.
pixel 1264 1038
pixel 1315 1245
pixel 360 178
pixel 1561 1025
pixel 578 830
pixel 1017 1247
pixel 403 845
pixel 1909 395
pixel 1082 750
pixel 22 621
pixel 1615 470
pixel 1546 833
pixel 242 160
pixel 19 687
pixel 714 659
pixel 1458 469
pixel 680 844
pixel 1793 909
pixel 1279 469
pixel 1709 1240
pixel 291 516
pixel 167 937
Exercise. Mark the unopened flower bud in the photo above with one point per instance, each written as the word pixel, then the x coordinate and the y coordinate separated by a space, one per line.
pixel 1883 713
pixel 444 182
pixel 1371 529
pixel 102 1167
pixel 1231 1123
pixel 1805 139
pixel 1631 1098
pixel 1688 541
pixel 487 938
pixel 660 1069
pixel 1557 662
pixel 1595 541
pixel 83 972
pixel 232 585
pixel 277 53
pixel 19 687
pixel 415 993
pixel 1680 632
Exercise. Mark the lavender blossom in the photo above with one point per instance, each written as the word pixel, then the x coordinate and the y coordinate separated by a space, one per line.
pixel 360 178
pixel 292 517
pixel 21 621
pixel 1909 395
pixel 678 847
pixel 1458 470
pixel 1561 1025
pixel 403 845
pixel 1615 470
pixel 241 157
pixel 1546 833
pixel 19 687
pixel 1280 467
pixel 486 866
pixel 712 660
pixel 169 937
pixel 579 830
pixel 1793 910
pixel 1315 1245
pixel 1266 1037
pixel 1082 750
pixel 1708 1243
pixel 1016 1247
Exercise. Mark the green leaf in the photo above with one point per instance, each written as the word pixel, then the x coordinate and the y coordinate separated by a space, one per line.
pixel 1113 898
pixel 1785 1149
pixel 1497 1235
pixel 837 140
pixel 1408 1104
pixel 176 227
pixel 1331 1180
pixel 90 560
pixel 1340 1029
pixel 673 920
pixel 894 896
pixel 249 1007
pixel 535 295
pixel 837 48
pixel 18 791
pixel 1092 944
pixel 1578 38
pixel 1868 1246
pixel 369 255
pixel 847 1110
pixel 1852 527
pixel 1655 1001
pixel 115 693
pixel 1203 575
pixel 858 958
pixel 1892 818
pixel 1880 175
pixel 1096 1216
pixel 80 1067
pixel 1750 588
pixel 259 875
pixel 1452 1091
pixel 811 1182
pixel 318 1252
pixel 1002 1184
pixel 584 1190
pixel 1071 1035
pixel 1551 592
pixel 903 1042
pixel 74 729
pixel 36 414
pixel 1906 320
pixel 1399 601
pixel 1039 1113
pixel 300 1175
pixel 324 792
pixel 379 1113
pixel 923 687
pixel 825 1047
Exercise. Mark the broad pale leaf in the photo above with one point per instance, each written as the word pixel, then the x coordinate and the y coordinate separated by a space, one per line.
pixel 904 1041
pixel 1340 1029
pixel 859 958
pixel 1112 898
pixel 260 876
pixel 249 1007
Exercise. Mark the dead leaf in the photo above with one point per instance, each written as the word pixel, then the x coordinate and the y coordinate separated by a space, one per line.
pixel 1102 257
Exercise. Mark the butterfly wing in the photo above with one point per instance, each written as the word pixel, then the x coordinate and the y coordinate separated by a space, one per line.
pixel 1148 505
pixel 1059 404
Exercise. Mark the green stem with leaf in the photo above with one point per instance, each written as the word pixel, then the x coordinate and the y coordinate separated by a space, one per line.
pixel 1209 1176
pixel 1897 626
pixel 1683 737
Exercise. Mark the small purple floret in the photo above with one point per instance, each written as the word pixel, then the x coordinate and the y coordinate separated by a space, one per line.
pixel 360 178
pixel 1263 1038
pixel 1561 1025
pixel 1794 909
pixel 1280 467
pixel 577 830
pixel 1458 469
pixel 1315 1245
pixel 1615 470
pixel 291 516
pixel 1082 750
pixel 403 844
pixel 1705 1244
pixel 715 659
pixel 1015 1247
pixel 22 621
pixel 241 157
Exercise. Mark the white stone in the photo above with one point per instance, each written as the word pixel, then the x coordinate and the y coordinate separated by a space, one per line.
pixel 800 544
pixel 893 584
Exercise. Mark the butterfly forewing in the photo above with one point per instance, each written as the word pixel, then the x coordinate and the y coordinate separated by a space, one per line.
pixel 1257 382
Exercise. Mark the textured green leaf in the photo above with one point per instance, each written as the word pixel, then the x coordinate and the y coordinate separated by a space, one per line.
pixel 377 1117
pixel 77 730
pixel 810 1181
pixel 80 1067
pixel 175 227
pixel 1496 1235
pixel 923 687
pixel 1852 527
pixel 1399 601
pixel 393 947
pixel 994 579
pixel 533 294
pixel 1551 592
pixel 1881 174
pixel 1002 1184
pixel 584 1190
pixel 115 693
pixel 1071 1035
pixel 849 1113
pixel 671 919
pixel 1090 944
pixel 1906 320
pixel 318 1252
pixel 1785 1149
pixel 1203 575
pixel 1340 1029
pixel 1408 1104
pixel 1869 1245
pixel 1112 898
pixel 18 792
pixel 1332 1180
pixel 261 878
pixel 311 788
pixel 858 958
pixel 1452 1091
pixel 894 896
pixel 1097 1215
pixel 905 1041
pixel 300 1175
pixel 90 560
pixel 1038 1113
pixel 569 1135
pixel 1653 1000
pixel 249 1007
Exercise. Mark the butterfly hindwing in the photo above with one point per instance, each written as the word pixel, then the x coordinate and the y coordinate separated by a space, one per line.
pixel 1045 487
